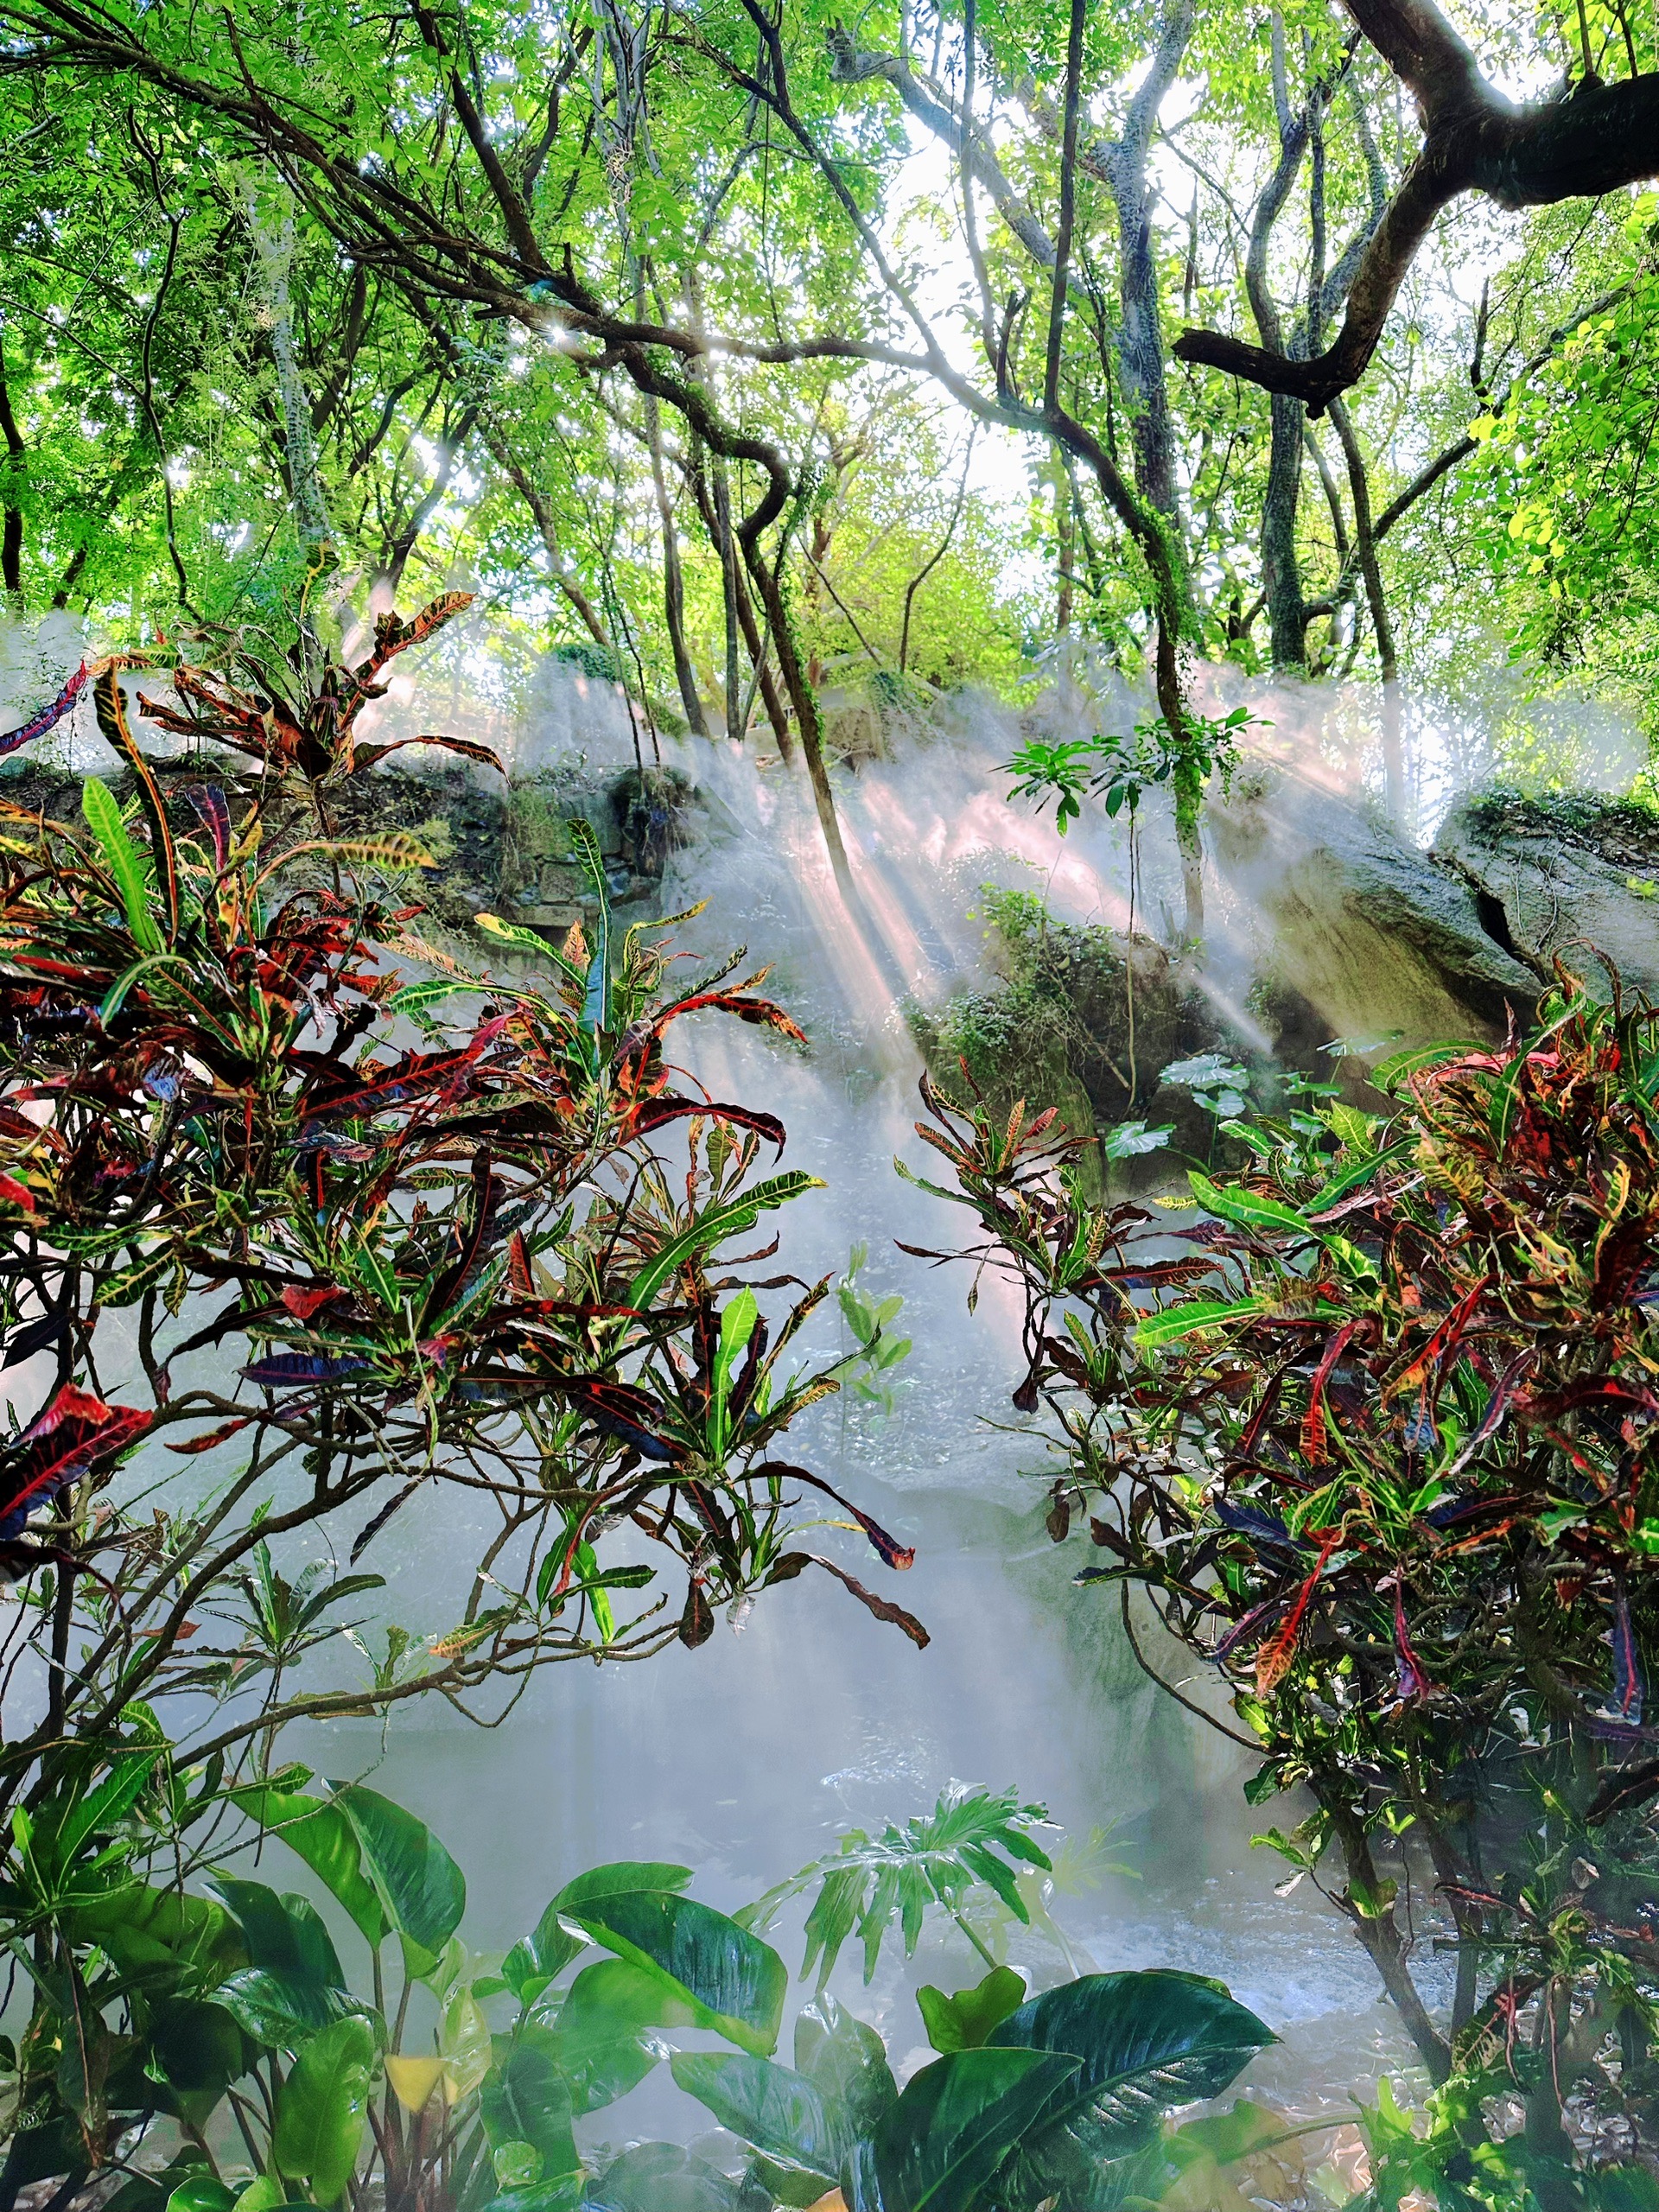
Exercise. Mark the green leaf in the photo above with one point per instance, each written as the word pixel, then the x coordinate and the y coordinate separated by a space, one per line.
pixel 603 2038
pixel 201 2192
pixel 537 1959
pixel 318 1832
pixel 1247 1208
pixel 714 1227
pixel 959 2120
pixel 527 2099
pixel 278 2011
pixel 421 1887
pixel 964 2021
pixel 1388 1075
pixel 1144 2042
pixel 662 2177
pixel 847 2060
pixel 787 2118
pixel 1174 1322
pixel 284 1935
pixel 735 1982
pixel 134 878
pixel 320 2115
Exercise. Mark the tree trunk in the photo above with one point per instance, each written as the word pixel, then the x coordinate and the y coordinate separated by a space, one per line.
pixel 1281 575
pixel 1393 767
pixel 11 533
pixel 802 698
pixel 673 580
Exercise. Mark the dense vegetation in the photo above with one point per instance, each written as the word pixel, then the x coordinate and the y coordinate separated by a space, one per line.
pixel 755 359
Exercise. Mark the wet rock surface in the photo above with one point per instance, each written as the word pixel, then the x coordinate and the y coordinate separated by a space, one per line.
pixel 1556 876
pixel 1376 936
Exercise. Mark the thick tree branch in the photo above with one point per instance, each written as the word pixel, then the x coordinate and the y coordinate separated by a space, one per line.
pixel 1594 140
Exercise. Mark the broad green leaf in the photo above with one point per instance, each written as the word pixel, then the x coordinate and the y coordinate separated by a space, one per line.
pixel 662 2177
pixel 787 2118
pixel 201 2192
pixel 964 2021
pixel 279 2011
pixel 134 878
pixel 617 1879
pixel 1247 1208
pixel 1143 2041
pixel 1174 1322
pixel 285 1934
pixel 846 2059
pixel 959 2120
pixel 320 2113
pixel 527 2099
pixel 421 1887
pixel 604 2028
pixel 318 1832
pixel 1389 1074
pixel 735 1983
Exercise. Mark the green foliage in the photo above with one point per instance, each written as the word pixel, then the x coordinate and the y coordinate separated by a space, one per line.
pixel 1416 1529
pixel 870 1882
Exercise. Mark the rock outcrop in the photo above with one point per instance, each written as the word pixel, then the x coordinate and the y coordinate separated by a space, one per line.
pixel 1379 938
pixel 1556 876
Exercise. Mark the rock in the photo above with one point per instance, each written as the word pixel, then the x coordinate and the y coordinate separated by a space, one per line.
pixel 1553 876
pixel 1374 935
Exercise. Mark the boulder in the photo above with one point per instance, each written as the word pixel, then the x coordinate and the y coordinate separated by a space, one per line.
pixel 1377 937
pixel 1557 875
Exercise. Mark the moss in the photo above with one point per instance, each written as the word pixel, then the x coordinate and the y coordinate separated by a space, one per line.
pixel 1617 828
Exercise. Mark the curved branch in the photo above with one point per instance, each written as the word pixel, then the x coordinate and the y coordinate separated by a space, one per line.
pixel 1597 138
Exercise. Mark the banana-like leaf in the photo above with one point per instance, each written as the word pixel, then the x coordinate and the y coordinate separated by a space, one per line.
pixel 323 2106
pixel 733 1982
pixel 959 2121
pixel 786 2117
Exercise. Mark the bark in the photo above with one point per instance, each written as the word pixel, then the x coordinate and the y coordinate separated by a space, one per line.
pixel 1140 344
pixel 759 655
pixel 1376 599
pixel 1595 139
pixel 673 580
pixel 11 533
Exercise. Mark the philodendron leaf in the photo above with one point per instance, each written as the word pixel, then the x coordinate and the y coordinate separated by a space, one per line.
pixel 604 2039
pixel 662 2177
pixel 284 1935
pixel 959 2120
pixel 1143 2042
pixel 733 1982
pixel 527 2099
pixel 423 1889
pixel 318 1832
pixel 786 2117
pixel 277 2010
pixel 846 2059
pixel 320 2115
pixel 964 2021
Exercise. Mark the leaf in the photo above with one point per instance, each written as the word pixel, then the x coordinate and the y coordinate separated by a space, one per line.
pixel 958 2121
pixel 318 1831
pixel 783 2115
pixel 414 2080
pixel 526 2099
pixel 662 2177
pixel 280 2010
pixel 964 2021
pixel 284 1935
pixel 1174 1322
pixel 734 1983
pixel 47 717
pixel 846 2059
pixel 603 2038
pixel 71 1437
pixel 110 702
pixel 320 2113
pixel 714 1227
pixel 1143 2041
pixel 1247 1208
pixel 421 1887
pixel 127 866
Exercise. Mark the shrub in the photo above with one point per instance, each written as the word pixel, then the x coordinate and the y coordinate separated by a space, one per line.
pixel 1381 1440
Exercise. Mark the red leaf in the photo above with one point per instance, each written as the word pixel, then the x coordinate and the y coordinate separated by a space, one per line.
pixel 226 1428
pixel 72 1434
pixel 302 1304
pixel 1273 1660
